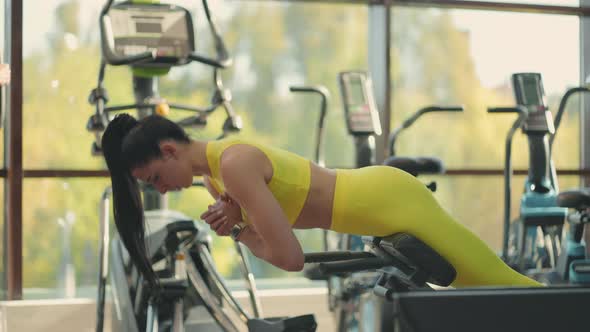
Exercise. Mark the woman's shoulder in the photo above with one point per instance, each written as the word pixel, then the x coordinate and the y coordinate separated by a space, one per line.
pixel 240 143
pixel 233 140
pixel 219 146
pixel 244 153
pixel 240 150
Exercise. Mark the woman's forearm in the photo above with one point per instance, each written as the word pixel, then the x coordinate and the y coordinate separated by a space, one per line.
pixel 254 242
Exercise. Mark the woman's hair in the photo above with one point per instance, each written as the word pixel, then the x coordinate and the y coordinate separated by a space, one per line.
pixel 127 144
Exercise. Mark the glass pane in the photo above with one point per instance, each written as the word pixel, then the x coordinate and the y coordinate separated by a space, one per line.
pixel 55 107
pixel 60 237
pixel 303 44
pixel 478 202
pixel 269 55
pixel 455 57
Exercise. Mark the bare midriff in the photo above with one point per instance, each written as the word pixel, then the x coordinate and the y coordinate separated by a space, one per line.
pixel 317 210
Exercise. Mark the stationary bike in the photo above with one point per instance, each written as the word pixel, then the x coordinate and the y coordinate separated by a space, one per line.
pixel 151 38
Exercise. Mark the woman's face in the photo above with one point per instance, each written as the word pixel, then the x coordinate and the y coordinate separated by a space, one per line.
pixel 168 173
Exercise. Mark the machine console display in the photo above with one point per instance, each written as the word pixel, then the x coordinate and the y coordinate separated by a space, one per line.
pixel 132 29
pixel 528 91
pixel 362 117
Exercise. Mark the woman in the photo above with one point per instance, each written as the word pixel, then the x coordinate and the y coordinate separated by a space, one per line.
pixel 272 191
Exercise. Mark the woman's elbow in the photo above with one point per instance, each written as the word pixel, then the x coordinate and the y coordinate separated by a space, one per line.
pixel 291 264
pixel 295 266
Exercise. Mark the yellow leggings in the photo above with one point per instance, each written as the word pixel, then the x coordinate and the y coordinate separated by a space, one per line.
pixel 382 200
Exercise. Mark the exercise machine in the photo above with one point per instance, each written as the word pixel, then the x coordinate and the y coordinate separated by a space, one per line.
pixel 538 209
pixel 532 243
pixel 401 263
pixel 152 37
pixel 193 296
pixel 324 95
pixel 573 265
pixel 409 271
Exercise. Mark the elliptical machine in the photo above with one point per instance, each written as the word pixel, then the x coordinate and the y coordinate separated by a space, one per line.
pixel 539 211
pixel 151 38
pixel 533 242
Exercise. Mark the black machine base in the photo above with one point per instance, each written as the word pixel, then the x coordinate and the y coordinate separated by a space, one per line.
pixel 493 309
pixel 304 323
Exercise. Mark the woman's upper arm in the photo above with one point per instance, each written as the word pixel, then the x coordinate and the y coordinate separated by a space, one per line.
pixel 210 187
pixel 244 181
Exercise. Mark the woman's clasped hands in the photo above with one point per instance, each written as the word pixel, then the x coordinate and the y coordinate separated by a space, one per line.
pixel 222 215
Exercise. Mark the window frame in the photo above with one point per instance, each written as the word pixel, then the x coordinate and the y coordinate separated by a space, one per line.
pixel 14 174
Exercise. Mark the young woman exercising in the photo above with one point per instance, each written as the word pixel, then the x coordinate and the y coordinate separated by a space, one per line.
pixel 268 191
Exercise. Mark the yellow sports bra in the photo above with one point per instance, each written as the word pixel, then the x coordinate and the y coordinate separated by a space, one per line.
pixel 291 174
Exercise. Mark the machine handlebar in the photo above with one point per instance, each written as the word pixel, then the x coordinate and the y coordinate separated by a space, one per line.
pixel 412 118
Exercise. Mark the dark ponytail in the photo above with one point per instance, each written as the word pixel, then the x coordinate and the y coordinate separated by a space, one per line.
pixel 127 206
pixel 127 144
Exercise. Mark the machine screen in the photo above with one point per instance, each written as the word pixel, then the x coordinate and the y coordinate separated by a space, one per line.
pixel 357 95
pixel 136 29
pixel 528 90
pixel 531 91
pixel 145 27
pixel 362 117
